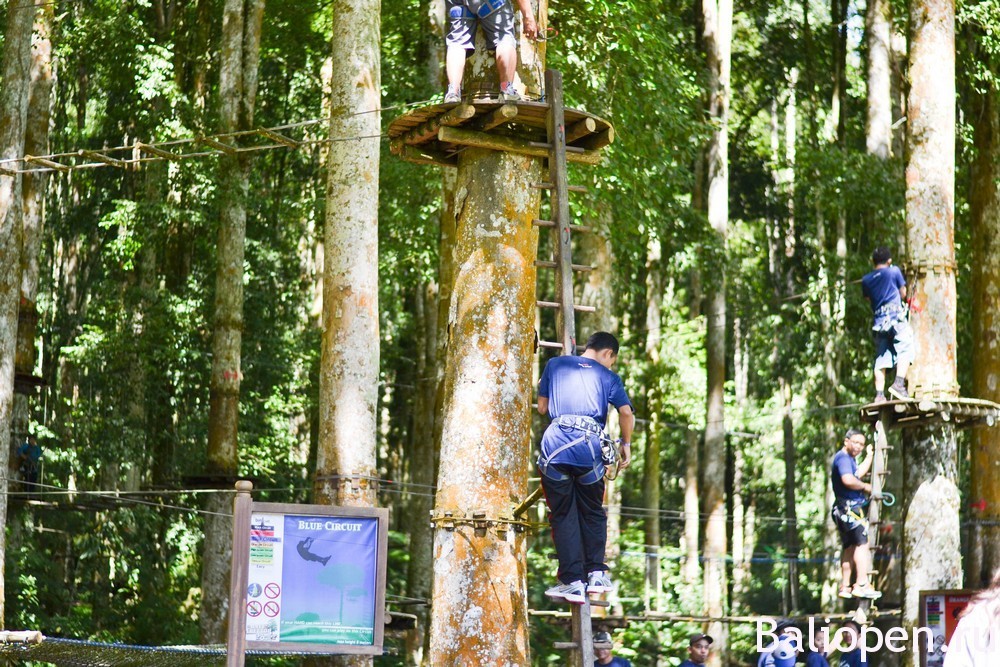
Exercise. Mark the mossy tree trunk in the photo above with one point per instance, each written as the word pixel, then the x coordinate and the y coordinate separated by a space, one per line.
pixel 716 38
pixel 15 72
pixel 241 27
pixel 985 209
pixel 480 610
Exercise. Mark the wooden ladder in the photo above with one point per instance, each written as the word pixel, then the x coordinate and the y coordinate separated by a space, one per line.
pixel 879 473
pixel 559 189
pixel 581 647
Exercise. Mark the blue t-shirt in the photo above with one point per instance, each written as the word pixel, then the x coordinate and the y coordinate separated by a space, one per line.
pixel 853 659
pixel 32 452
pixel 616 662
pixel 814 659
pixel 689 663
pixel 844 464
pixel 881 286
pixel 583 387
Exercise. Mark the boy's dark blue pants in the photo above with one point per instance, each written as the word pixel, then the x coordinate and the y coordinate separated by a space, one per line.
pixel 579 522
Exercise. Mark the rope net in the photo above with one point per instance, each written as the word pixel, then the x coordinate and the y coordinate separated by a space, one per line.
pixel 82 653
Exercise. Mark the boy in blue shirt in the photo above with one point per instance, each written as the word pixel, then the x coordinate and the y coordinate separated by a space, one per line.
pixel 575 391
pixel 885 289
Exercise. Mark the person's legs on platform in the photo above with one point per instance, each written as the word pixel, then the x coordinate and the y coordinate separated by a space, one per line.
pixel 460 40
pixel 498 29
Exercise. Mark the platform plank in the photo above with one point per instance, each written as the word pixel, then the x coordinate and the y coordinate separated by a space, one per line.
pixel 413 129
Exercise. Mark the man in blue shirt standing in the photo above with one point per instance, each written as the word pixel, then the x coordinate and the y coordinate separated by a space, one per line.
pixel 849 514
pixel 575 391
pixel 885 289
pixel 699 646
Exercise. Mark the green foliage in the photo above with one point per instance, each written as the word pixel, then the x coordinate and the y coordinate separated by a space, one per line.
pixel 128 279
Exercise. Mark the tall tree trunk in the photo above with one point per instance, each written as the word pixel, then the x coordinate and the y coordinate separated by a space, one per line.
pixel 430 385
pixel 349 363
pixel 241 26
pixel 651 460
pixel 15 69
pixel 878 33
pixel 692 469
pixel 716 37
pixel 486 417
pixel 349 358
pixel 931 544
pixel 480 597
pixel 36 142
pixel 837 120
pixel 422 465
pixel 791 519
pixel 984 202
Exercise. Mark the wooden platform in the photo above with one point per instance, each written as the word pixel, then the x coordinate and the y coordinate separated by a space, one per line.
pixel 962 412
pixel 435 134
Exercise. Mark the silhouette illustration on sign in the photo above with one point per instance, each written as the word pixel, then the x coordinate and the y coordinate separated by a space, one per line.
pixel 303 549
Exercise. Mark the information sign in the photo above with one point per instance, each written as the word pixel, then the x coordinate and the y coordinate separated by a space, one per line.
pixel 314 578
pixel 939 612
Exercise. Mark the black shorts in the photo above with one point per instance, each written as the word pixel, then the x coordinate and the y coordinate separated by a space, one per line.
pixel 852 525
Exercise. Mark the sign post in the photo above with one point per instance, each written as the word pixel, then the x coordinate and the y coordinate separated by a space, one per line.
pixel 307 578
pixel 236 641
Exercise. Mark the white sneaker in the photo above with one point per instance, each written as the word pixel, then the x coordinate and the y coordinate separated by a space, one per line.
pixel 599 582
pixel 575 592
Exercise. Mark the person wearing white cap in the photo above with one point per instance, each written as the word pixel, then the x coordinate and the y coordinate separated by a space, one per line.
pixel 604 656
pixel 699 647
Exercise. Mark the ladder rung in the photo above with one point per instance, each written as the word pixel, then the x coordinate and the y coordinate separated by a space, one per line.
pixel 576 228
pixel 600 603
pixel 563 646
pixel 555 304
pixel 543 264
pixel 548 186
pixel 550 344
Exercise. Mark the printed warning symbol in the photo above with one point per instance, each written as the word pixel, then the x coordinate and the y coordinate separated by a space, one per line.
pixel 254 608
pixel 271 609
pixel 272 590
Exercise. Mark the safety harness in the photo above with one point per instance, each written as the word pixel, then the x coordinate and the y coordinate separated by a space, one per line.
pixel 607 462
pixel 480 9
pixel 887 316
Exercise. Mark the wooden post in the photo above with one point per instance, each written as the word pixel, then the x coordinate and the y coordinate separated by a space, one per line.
pixel 555 126
pixel 583 635
pixel 236 634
